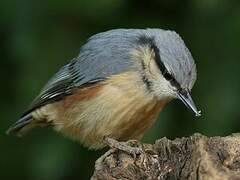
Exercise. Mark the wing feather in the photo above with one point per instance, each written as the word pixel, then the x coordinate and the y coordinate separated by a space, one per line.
pixel 104 54
pixel 60 85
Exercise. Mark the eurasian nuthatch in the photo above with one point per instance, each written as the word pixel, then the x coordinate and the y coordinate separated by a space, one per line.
pixel 115 88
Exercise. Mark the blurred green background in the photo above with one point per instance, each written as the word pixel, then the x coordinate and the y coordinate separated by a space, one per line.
pixel 38 37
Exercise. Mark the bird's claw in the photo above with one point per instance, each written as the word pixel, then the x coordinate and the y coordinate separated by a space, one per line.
pixel 124 146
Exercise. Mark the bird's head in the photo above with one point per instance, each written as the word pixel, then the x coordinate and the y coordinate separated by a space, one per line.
pixel 169 70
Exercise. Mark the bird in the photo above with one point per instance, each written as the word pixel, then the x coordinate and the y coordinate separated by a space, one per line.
pixel 115 89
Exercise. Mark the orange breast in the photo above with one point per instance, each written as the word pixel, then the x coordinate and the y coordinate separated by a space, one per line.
pixel 141 121
pixel 120 108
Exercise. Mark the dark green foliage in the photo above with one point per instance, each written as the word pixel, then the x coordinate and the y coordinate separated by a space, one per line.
pixel 37 38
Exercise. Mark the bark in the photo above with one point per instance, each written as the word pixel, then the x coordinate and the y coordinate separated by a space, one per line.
pixel 195 157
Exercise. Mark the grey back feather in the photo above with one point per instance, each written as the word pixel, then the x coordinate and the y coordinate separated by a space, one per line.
pixel 107 54
pixel 104 54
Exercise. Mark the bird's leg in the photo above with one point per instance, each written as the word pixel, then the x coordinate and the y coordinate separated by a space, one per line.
pixel 115 145
pixel 123 146
pixel 99 161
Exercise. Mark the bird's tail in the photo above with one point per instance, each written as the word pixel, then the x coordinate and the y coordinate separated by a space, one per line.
pixel 21 125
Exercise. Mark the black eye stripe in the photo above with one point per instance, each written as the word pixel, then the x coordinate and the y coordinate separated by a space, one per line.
pixel 168 76
pixel 144 40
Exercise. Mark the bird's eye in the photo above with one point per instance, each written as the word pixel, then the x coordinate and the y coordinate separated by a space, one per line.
pixel 168 76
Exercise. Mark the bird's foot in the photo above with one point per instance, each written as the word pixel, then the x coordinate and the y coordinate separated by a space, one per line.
pixel 124 146
pixel 99 161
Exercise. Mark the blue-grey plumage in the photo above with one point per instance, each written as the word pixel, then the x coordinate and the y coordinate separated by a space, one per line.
pixel 155 63
pixel 108 53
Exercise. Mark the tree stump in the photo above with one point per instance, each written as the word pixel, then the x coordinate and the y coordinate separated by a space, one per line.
pixel 195 157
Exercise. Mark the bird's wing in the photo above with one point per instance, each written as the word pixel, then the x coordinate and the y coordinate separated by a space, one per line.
pixel 60 85
pixel 103 55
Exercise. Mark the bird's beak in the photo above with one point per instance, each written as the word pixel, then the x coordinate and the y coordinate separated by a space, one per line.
pixel 185 97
